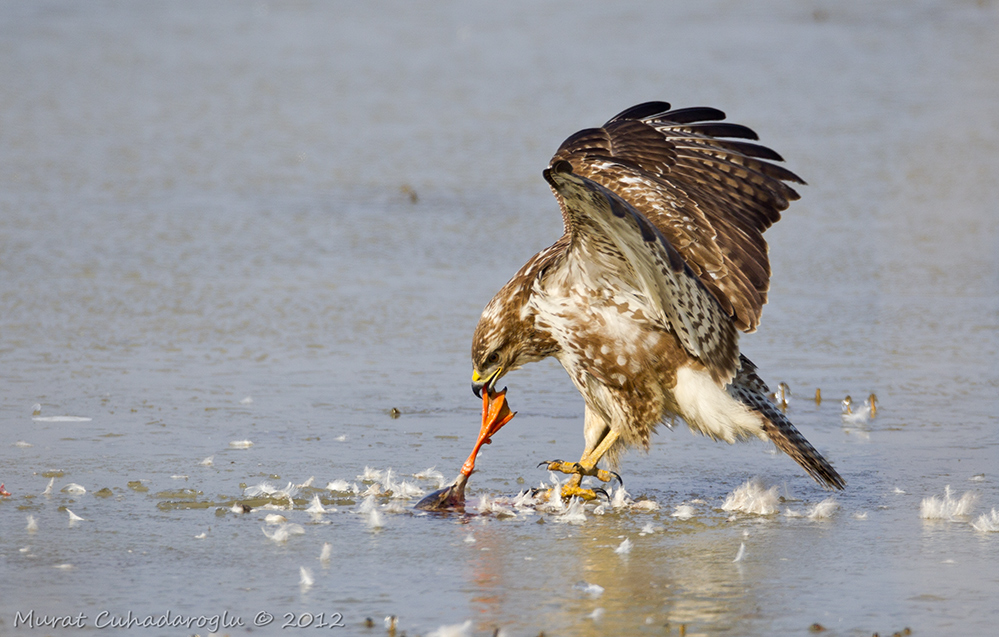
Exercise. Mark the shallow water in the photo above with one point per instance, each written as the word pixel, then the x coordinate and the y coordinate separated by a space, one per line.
pixel 307 205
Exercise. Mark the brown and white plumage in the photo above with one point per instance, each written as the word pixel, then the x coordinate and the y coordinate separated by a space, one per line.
pixel 662 263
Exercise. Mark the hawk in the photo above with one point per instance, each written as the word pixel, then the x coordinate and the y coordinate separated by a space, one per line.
pixel 661 265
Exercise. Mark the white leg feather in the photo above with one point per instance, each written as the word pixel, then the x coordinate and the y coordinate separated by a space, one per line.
pixel 709 409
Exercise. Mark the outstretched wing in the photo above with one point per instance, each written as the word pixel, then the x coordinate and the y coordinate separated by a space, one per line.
pixel 613 243
pixel 712 198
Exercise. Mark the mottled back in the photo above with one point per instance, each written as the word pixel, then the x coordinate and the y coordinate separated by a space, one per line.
pixel 710 193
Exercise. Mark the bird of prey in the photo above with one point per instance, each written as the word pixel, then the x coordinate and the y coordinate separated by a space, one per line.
pixel 661 265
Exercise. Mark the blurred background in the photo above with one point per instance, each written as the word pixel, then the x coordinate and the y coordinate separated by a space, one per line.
pixel 279 221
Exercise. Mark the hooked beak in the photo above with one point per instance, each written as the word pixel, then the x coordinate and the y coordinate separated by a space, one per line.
pixel 480 382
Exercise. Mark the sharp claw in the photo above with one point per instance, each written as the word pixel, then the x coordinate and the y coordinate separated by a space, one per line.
pixel 599 490
pixel 618 476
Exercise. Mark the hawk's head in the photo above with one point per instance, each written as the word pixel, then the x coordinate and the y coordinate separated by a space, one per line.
pixel 506 337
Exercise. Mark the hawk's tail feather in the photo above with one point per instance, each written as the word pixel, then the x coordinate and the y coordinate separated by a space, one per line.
pixel 788 439
pixel 749 389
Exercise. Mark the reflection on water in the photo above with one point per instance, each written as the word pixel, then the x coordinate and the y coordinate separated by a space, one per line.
pixel 307 205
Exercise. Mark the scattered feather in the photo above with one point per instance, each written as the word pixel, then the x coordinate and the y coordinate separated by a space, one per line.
pixel 264 488
pixel 326 554
pixel 492 506
pixel 371 475
pixel 23 444
pixel 431 474
pixel 73 518
pixel 406 490
pixel 898 491
pixel 684 512
pixel 824 509
pixel 860 515
pixel 987 522
pixel 369 509
pixel 32 524
pixel 246 401
pixel 862 414
pixel 625 547
pixel 373 490
pixel 649 529
pixel 592 590
pixel 596 615
pixel 752 497
pixel 61 419
pixel 644 505
pixel 620 498
pixel 341 438
pixel 307 483
pixel 289 492
pixel 178 477
pixel 201 536
pixel 469 539
pixel 454 630
pixel 741 553
pixel 525 500
pixel 283 532
pixel 316 508
pixel 274 518
pixel 978 477
pixel 342 486
pixel 240 444
pixel 74 489
pixel 207 462
pixel 305 578
pixel 934 508
pixel 395 507
pixel 63 567
pixel 574 513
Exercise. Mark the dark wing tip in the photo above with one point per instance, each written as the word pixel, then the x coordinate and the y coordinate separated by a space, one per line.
pixel 641 111
pixel 692 114
pixel 562 166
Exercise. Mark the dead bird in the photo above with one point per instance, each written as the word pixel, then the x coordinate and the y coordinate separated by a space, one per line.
pixel 495 413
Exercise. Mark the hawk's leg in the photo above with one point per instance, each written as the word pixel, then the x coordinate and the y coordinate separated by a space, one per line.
pixel 587 466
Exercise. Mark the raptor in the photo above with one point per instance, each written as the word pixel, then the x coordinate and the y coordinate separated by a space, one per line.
pixel 661 265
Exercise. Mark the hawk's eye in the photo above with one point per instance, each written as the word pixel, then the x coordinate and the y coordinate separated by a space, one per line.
pixel 493 358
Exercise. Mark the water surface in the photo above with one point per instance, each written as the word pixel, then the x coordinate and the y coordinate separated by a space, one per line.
pixel 278 222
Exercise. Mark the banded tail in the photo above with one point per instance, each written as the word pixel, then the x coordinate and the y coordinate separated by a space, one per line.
pixel 749 389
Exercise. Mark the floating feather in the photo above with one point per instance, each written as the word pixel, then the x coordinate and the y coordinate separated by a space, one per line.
pixel 454 630
pixel 684 512
pixel 592 590
pixel 947 508
pixel 987 522
pixel 575 512
pixel 283 532
pixel 316 508
pixel 824 509
pixel 305 578
pixel 624 548
pixel 741 553
pixel 752 497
